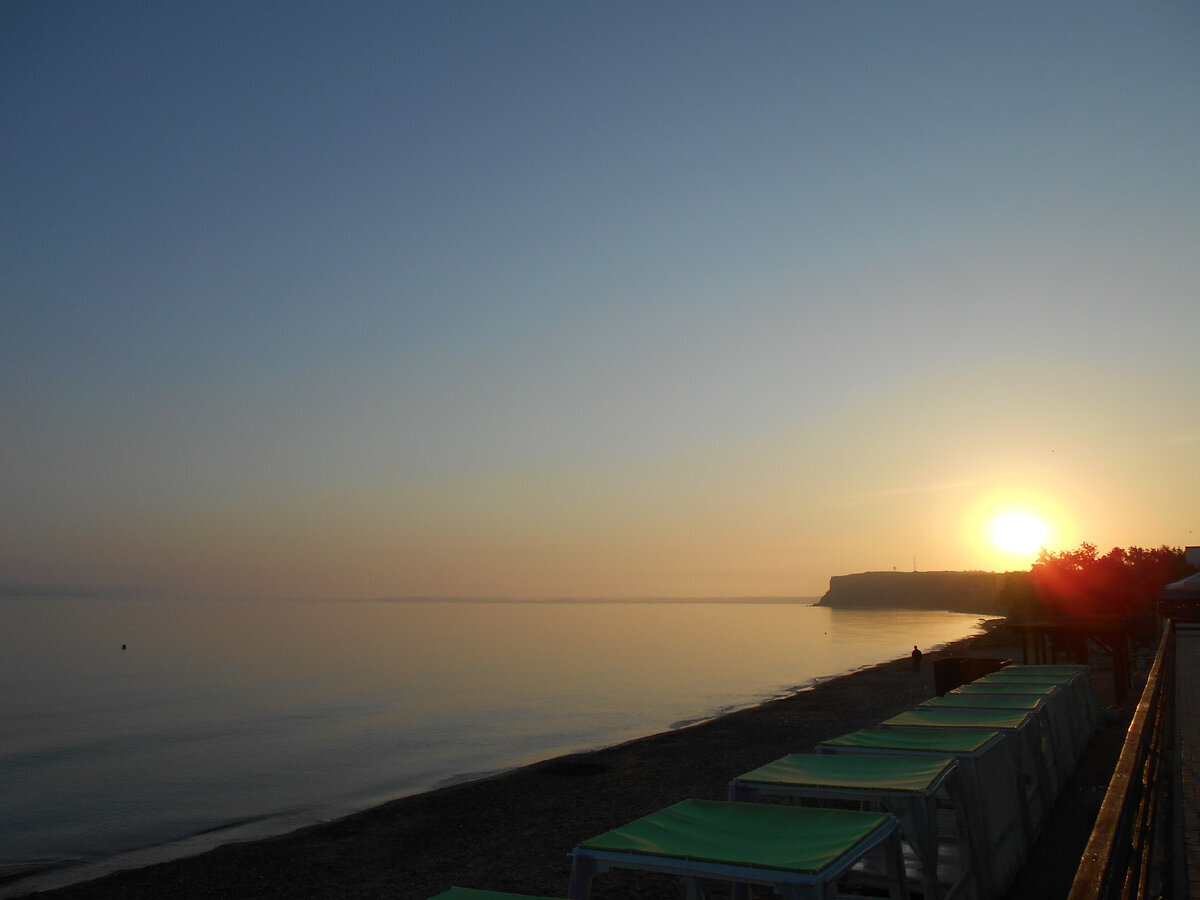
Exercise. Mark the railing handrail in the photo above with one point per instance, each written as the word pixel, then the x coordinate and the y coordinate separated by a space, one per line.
pixel 1106 859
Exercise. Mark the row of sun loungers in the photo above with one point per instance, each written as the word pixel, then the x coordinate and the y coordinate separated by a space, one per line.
pixel 944 800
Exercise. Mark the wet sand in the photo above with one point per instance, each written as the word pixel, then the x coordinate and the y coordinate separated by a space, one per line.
pixel 515 831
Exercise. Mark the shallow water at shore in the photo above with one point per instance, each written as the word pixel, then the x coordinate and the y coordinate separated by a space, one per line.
pixel 273 714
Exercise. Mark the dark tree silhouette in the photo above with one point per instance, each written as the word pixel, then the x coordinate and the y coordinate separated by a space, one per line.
pixel 1082 586
pixel 1069 598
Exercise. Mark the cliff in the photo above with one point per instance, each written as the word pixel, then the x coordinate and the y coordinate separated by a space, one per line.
pixel 974 592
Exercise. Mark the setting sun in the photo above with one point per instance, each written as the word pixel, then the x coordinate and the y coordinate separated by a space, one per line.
pixel 1019 533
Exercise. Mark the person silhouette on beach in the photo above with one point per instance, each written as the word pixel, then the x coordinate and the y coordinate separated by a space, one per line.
pixel 916 658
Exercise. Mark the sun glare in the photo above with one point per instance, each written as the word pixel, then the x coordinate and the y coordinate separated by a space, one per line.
pixel 1019 533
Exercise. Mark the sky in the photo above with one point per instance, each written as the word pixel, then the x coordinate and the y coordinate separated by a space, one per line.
pixel 620 299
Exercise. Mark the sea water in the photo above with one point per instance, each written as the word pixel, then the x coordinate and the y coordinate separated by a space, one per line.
pixel 131 731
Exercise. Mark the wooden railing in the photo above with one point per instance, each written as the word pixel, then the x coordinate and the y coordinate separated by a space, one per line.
pixel 1120 857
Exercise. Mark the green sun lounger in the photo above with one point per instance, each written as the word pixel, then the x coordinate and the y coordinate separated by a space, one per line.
pixel 1036 689
pixel 799 852
pixel 937 742
pixel 1077 680
pixel 1049 669
pixel 1056 722
pixel 909 787
pixel 1020 673
pixel 991 777
pixel 1078 677
pixel 1031 747
pixel 987 701
pixel 1067 711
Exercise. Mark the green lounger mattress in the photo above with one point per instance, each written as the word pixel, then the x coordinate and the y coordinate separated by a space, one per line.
pixel 948 717
pixel 931 740
pixel 985 701
pixel 787 838
pixel 877 773
pixel 1018 677
pixel 1042 689
pixel 1040 669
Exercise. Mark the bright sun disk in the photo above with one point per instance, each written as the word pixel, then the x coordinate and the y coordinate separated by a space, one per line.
pixel 1019 533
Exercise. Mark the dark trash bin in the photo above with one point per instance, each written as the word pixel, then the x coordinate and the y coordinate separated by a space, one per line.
pixel 948 673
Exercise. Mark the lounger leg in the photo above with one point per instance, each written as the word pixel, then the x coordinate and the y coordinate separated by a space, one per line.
pixel 583 868
pixel 970 843
pixel 925 843
pixel 897 877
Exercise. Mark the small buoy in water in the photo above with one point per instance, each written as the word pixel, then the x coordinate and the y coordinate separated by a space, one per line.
pixel 122 646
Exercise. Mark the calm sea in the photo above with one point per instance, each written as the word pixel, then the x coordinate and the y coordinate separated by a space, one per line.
pixel 131 731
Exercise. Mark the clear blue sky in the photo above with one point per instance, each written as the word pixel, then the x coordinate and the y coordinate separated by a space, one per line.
pixel 580 299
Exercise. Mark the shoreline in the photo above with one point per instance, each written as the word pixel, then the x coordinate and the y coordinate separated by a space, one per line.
pixel 514 830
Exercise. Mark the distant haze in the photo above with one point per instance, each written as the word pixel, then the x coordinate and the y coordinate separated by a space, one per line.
pixel 590 299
